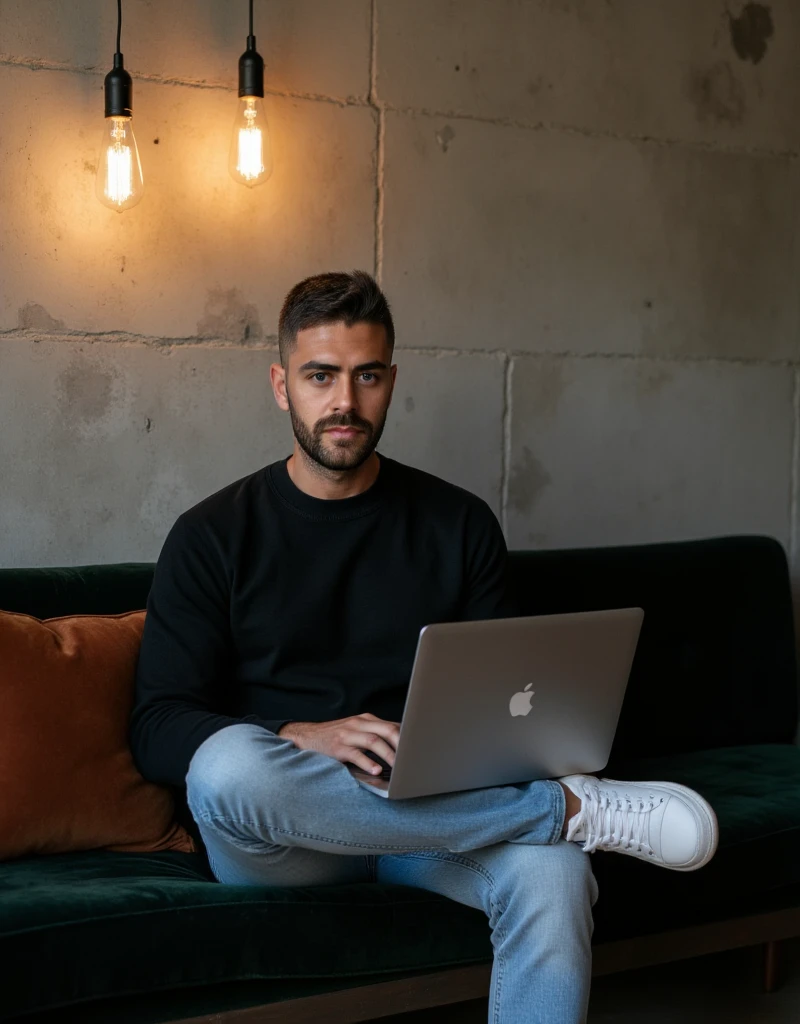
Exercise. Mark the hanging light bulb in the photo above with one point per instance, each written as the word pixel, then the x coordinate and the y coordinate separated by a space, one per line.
pixel 119 182
pixel 250 157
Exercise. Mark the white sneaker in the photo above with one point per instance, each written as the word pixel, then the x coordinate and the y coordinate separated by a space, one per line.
pixel 660 822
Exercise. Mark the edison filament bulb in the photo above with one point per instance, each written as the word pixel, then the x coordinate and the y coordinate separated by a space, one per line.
pixel 118 183
pixel 119 170
pixel 250 155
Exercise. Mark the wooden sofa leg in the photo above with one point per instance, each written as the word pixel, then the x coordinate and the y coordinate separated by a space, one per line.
pixel 773 966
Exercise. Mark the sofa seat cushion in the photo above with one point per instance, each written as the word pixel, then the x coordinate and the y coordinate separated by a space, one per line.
pixel 97 924
pixel 755 791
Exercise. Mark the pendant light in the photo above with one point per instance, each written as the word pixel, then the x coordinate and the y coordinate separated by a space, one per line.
pixel 250 156
pixel 119 182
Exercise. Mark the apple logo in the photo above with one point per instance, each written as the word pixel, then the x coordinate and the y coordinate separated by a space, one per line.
pixel 520 703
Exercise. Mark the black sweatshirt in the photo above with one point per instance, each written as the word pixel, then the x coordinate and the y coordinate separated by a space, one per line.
pixel 269 605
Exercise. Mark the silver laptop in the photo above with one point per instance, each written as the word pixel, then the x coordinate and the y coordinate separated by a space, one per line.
pixel 498 701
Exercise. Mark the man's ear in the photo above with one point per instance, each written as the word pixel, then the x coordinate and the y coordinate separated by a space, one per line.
pixel 277 376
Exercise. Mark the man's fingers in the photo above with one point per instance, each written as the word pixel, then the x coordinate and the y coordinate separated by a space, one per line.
pixel 384 750
pixel 389 730
pixel 369 741
pixel 364 763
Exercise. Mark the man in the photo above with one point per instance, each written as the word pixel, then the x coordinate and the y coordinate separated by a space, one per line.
pixel 280 633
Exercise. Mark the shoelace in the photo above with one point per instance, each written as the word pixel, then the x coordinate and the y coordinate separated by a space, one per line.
pixel 620 822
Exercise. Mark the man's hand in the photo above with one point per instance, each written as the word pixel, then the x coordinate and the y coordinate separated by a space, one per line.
pixel 345 739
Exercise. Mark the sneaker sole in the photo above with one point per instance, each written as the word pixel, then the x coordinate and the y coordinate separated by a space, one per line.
pixel 704 811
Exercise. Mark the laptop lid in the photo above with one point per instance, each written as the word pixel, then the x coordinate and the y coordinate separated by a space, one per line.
pixel 498 701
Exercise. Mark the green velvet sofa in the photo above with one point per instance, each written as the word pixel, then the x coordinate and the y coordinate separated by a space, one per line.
pixel 712 701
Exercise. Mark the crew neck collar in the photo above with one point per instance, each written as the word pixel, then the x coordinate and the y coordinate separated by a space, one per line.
pixel 327 508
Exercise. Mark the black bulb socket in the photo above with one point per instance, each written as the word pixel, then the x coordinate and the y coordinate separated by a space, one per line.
pixel 119 90
pixel 251 70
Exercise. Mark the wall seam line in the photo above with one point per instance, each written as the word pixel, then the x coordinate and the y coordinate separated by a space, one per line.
pixel 794 474
pixel 188 83
pixel 564 128
pixel 33 64
pixel 506 453
pixel 379 142
pixel 270 342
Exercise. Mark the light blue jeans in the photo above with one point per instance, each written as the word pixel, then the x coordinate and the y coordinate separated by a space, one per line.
pixel 270 813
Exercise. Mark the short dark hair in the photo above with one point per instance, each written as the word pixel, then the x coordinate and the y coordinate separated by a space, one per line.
pixel 328 299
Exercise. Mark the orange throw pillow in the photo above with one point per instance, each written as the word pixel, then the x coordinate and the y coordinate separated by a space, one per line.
pixel 67 776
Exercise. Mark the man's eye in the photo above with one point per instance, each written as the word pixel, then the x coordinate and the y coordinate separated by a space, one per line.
pixel 324 373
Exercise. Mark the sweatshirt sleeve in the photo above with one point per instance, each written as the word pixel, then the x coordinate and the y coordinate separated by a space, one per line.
pixel 184 658
pixel 488 593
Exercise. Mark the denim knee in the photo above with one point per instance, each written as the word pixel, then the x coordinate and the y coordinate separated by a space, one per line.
pixel 222 770
pixel 558 875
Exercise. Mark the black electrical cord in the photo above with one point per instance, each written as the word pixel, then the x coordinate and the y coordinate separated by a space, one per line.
pixel 118 86
pixel 251 66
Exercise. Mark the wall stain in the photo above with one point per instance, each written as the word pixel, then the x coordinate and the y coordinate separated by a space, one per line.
pixel 33 317
pixel 409 404
pixel 537 85
pixel 85 391
pixel 445 136
pixel 527 482
pixel 653 378
pixel 750 31
pixel 717 94
pixel 229 317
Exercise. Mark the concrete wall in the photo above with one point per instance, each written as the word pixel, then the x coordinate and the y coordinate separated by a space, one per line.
pixel 584 214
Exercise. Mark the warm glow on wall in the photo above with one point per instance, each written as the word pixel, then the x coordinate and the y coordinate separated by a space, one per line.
pixel 119 182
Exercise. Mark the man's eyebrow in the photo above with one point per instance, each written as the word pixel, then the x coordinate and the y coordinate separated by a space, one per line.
pixel 376 364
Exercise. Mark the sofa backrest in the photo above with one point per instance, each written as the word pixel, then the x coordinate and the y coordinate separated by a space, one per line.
pixel 77 589
pixel 715 665
pixel 716 662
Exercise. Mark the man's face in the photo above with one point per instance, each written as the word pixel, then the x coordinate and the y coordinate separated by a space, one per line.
pixel 338 376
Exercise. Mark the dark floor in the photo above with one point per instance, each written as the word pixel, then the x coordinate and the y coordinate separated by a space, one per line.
pixel 721 989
